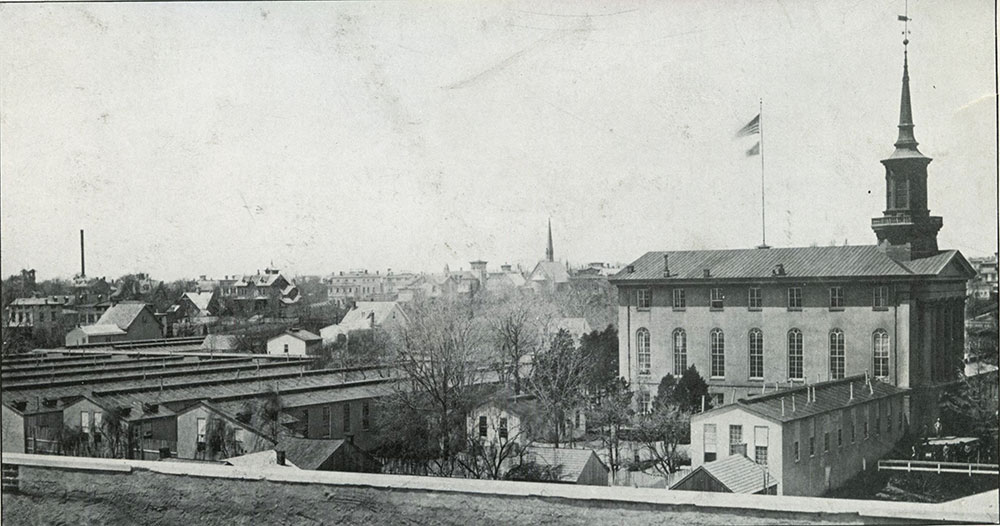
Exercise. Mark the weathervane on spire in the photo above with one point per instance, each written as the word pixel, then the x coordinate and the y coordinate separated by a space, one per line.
pixel 905 19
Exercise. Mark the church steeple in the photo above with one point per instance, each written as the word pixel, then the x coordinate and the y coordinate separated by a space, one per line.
pixel 549 253
pixel 906 229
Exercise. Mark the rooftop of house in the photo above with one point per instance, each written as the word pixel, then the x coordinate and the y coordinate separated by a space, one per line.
pixel 737 473
pixel 122 314
pixel 836 261
pixel 201 300
pixel 550 271
pixel 366 312
pixel 570 461
pixel 809 400
pixel 301 334
pixel 45 300
pixel 101 329
pixel 309 453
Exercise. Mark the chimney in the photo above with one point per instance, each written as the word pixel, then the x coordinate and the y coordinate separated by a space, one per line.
pixel 666 266
pixel 83 267
pixel 280 457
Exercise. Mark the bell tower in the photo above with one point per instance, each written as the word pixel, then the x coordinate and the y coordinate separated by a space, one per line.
pixel 906 229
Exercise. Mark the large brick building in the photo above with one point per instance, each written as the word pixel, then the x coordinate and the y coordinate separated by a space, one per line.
pixel 783 316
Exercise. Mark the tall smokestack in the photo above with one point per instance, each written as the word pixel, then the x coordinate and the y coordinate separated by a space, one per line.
pixel 83 266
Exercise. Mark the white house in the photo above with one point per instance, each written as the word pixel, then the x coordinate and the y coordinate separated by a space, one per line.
pixel 366 315
pixel 294 342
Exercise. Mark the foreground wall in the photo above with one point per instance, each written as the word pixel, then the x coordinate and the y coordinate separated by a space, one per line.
pixel 72 490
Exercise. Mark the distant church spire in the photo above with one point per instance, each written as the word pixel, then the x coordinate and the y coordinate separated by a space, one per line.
pixel 549 253
pixel 906 229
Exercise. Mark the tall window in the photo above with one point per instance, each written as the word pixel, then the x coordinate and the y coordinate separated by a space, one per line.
pixel 644 400
pixel 85 421
pixel 880 297
pixel 794 298
pixel 202 430
pixel 366 416
pixel 502 428
pixel 643 299
pixel 717 298
pixel 483 428
pixel 680 352
pixel 98 421
pixel 880 353
pixel 642 349
pixel 718 348
pixel 710 442
pixel 754 299
pixel 760 444
pixel 795 371
pixel 795 450
pixel 837 355
pixel 736 440
pixel 836 297
pixel 347 418
pixel 679 302
pixel 756 342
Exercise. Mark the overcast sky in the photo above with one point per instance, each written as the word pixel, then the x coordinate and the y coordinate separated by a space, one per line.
pixel 195 138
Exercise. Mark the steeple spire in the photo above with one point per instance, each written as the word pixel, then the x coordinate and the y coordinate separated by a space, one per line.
pixel 906 229
pixel 549 253
pixel 906 143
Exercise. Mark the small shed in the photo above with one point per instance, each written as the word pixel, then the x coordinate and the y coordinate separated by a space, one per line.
pixel 327 455
pixel 732 474
pixel 294 342
pixel 575 466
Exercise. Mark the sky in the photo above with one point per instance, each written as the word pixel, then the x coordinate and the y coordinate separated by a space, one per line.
pixel 193 139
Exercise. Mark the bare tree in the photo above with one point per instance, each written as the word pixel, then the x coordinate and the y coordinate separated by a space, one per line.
pixel 519 322
pixel 445 354
pixel 610 413
pixel 557 380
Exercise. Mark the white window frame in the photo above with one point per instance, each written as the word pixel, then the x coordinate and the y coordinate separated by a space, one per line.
pixel 643 299
pixel 837 298
pixel 717 353
pixel 644 357
pixel 679 300
pixel 755 299
pixel 838 354
pixel 679 340
pixel 795 355
pixel 794 298
pixel 755 352
pixel 716 296
pixel 880 354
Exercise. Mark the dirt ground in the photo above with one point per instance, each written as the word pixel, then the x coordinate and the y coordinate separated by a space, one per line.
pixel 149 499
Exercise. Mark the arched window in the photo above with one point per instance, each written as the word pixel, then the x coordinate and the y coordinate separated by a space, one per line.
pixel 718 348
pixel 680 351
pixel 795 371
pixel 880 353
pixel 837 354
pixel 642 348
pixel 756 342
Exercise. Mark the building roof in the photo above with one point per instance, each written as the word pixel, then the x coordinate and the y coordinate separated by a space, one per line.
pixel 737 473
pixel 219 342
pixel 200 299
pixel 550 271
pixel 101 330
pixel 379 311
pixel 571 462
pixel 259 459
pixel 829 396
pixel 47 300
pixel 308 453
pixel 801 262
pixel 301 334
pixel 122 314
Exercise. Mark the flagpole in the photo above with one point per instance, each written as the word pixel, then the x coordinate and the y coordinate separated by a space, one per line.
pixel 763 232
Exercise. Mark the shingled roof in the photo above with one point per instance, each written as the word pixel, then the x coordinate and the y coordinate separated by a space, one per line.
pixel 737 473
pixel 829 396
pixel 803 262
pixel 122 315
